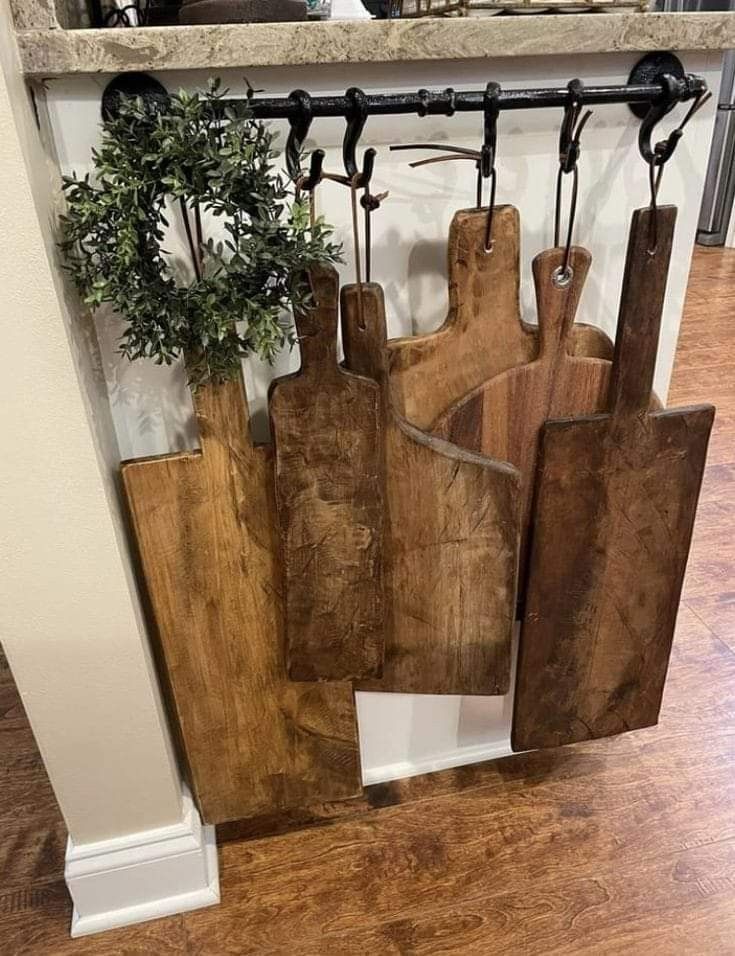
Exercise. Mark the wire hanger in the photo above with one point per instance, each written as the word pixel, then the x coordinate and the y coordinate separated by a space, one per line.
pixel 569 149
pixel 355 179
pixel 484 158
pixel 656 156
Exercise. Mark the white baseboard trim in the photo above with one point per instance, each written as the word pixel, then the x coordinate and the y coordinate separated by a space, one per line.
pixel 454 758
pixel 144 875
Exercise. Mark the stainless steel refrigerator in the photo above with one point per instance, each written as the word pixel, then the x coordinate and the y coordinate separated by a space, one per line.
pixel 719 184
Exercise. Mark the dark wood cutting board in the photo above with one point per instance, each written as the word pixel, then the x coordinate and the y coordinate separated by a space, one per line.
pixel 616 500
pixel 206 530
pixel 502 418
pixel 326 426
pixel 483 334
pixel 451 542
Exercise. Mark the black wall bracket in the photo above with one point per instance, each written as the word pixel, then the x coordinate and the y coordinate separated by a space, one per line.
pixel 649 70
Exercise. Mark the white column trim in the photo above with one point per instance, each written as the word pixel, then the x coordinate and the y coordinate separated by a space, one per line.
pixel 142 876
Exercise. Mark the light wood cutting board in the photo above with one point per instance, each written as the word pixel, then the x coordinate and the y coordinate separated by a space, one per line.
pixel 502 418
pixel 483 334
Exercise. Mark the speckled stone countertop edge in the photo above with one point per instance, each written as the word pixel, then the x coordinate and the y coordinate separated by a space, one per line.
pixel 58 52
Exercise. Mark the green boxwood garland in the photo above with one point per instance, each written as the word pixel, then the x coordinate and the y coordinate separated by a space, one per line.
pixel 195 157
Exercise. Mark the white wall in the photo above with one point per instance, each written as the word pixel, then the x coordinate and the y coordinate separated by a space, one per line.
pixel 69 620
pixel 403 733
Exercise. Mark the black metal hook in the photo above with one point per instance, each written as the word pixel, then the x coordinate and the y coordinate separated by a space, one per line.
pixel 572 126
pixel 672 92
pixel 484 158
pixel 569 151
pixel 357 114
pixel 490 114
pixel 299 125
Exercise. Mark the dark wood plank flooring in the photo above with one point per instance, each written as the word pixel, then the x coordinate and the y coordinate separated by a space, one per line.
pixel 617 846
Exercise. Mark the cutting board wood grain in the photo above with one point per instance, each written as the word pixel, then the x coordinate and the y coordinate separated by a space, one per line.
pixel 452 539
pixel 483 334
pixel 326 426
pixel 205 526
pixel 502 418
pixel 616 502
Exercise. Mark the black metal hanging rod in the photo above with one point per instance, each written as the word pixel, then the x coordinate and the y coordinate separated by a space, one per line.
pixel 429 102
pixel 448 102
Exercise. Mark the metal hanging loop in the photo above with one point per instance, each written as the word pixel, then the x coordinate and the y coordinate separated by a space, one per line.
pixel 356 178
pixel 569 150
pixel 656 156
pixel 486 166
pixel 655 171
pixel 483 158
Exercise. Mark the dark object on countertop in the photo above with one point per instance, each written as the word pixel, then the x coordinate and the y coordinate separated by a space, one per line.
pixel 95 13
pixel 142 13
pixel 382 9
pixel 241 11
pixel 163 13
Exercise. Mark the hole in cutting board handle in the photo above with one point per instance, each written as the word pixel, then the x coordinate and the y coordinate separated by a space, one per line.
pixel 560 278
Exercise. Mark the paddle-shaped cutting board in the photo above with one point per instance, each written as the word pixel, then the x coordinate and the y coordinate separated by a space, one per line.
pixel 206 529
pixel 483 334
pixel 451 543
pixel 326 426
pixel 616 501
pixel 502 418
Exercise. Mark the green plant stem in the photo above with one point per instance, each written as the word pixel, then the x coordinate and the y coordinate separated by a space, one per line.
pixel 200 237
pixel 190 239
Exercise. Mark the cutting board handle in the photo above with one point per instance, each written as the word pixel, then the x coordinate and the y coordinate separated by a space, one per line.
pixel 475 273
pixel 641 308
pixel 557 300
pixel 222 414
pixel 365 348
pixel 316 326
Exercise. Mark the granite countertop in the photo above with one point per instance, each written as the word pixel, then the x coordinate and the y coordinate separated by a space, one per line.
pixel 47 50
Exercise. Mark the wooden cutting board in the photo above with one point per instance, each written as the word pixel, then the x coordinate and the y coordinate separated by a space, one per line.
pixel 617 496
pixel 452 540
pixel 483 334
pixel 502 418
pixel 326 426
pixel 206 530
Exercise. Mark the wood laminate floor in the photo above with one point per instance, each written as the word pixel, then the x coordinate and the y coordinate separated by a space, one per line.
pixel 618 846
